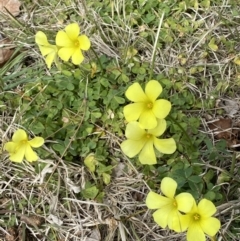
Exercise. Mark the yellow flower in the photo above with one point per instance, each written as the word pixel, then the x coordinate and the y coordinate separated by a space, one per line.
pixel 20 146
pixel 71 43
pixel 46 49
pixel 146 107
pixel 201 221
pixel 142 141
pixel 170 206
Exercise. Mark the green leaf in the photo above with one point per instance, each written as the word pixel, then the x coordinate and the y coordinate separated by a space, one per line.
pixel 90 162
pixel 58 147
pixel 119 100
pixel 209 175
pixel 100 197
pixel 212 45
pixel 70 86
pixel 210 195
pixel 168 83
pixel 104 169
pixel 141 70
pixel 188 172
pixel 37 128
pixel 90 193
pixel 106 178
pixel 124 78
pixel 195 179
pixel 223 177
pixel 67 73
pixel 96 114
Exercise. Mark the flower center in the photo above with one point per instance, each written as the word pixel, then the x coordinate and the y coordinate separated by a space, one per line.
pixel 174 203
pixel 150 105
pixel 76 43
pixel 148 136
pixel 196 217
pixel 24 142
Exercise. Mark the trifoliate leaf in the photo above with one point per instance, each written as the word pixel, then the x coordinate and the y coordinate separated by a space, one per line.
pixel 106 178
pixel 212 45
pixel 90 192
pixel 90 162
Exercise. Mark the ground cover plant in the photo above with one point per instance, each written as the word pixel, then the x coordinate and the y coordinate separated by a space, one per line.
pixel 119 120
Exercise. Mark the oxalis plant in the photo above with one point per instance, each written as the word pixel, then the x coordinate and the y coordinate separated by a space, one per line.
pixel 147 119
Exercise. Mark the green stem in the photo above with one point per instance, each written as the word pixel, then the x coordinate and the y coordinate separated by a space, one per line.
pixel 233 163
pixel 184 132
pixel 97 58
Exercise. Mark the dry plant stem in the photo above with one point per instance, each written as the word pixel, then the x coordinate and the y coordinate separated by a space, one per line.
pixel 84 5
pixel 155 47
pixel 9 15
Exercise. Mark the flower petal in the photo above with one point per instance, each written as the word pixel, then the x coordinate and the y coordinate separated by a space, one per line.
pixel 147 155
pixel 63 40
pixel 161 216
pixel 19 135
pixel 135 93
pixel 134 131
pixel 131 147
pixel 174 220
pixel 65 53
pixel 18 155
pixel 160 128
pixel 36 142
pixel 30 154
pixel 165 146
pixel 195 233
pixel 77 57
pixel 49 59
pixel 84 42
pixel 168 187
pixel 147 119
pixel 210 226
pixel 179 223
pixel 161 108
pixel 11 147
pixel 41 38
pixel 72 30
pixel 45 50
pixel 133 111
pixel 156 201
pixel 193 210
pixel 206 208
pixel 184 202
pixel 153 89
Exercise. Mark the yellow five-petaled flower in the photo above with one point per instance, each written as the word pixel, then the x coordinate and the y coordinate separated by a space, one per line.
pixel 21 147
pixel 146 107
pixel 49 51
pixel 170 206
pixel 71 44
pixel 201 222
pixel 142 141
